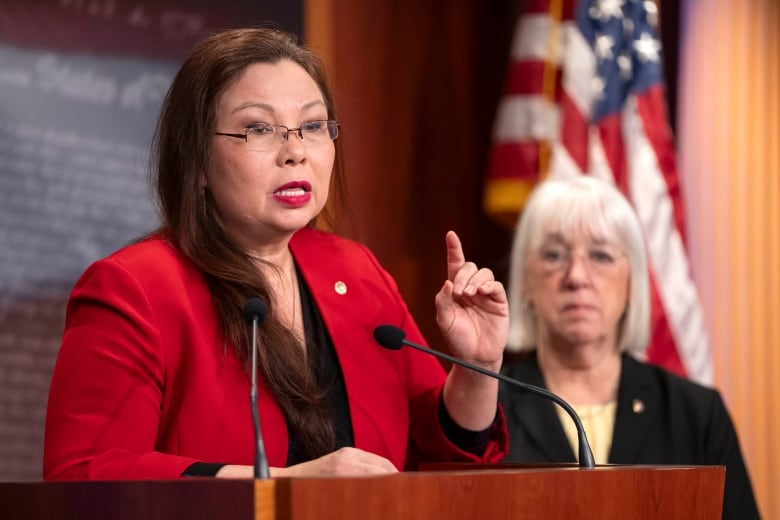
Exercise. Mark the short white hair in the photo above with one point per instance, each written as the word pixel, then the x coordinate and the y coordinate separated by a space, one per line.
pixel 579 204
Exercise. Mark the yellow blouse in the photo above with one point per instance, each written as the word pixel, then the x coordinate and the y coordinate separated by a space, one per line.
pixel 598 421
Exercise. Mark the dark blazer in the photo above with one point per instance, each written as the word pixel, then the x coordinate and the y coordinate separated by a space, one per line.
pixel 661 419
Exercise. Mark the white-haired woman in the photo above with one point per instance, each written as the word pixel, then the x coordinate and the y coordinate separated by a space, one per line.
pixel 580 307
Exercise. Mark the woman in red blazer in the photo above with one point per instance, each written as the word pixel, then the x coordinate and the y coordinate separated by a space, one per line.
pixel 152 377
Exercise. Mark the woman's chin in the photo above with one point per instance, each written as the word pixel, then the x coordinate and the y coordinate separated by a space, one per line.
pixel 581 334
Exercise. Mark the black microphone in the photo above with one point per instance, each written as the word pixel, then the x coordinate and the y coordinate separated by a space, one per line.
pixel 255 311
pixel 394 338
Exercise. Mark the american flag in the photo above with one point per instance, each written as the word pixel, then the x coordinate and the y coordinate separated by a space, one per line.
pixel 585 95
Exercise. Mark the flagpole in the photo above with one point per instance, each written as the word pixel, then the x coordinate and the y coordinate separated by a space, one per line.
pixel 548 78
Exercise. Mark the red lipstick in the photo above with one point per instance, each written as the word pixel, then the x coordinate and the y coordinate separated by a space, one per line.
pixel 293 194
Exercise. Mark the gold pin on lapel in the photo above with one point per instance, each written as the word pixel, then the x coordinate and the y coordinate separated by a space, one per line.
pixel 340 287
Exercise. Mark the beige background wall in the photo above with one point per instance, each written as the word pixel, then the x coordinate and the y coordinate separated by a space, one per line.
pixel 729 150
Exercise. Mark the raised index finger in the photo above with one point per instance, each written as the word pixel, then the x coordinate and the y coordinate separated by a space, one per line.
pixel 455 257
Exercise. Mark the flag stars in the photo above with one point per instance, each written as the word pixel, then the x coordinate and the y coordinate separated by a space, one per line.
pixel 652 12
pixel 603 46
pixel 647 48
pixel 606 9
pixel 625 66
pixel 597 87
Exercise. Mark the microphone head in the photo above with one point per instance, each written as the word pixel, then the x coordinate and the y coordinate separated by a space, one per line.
pixel 255 307
pixel 389 336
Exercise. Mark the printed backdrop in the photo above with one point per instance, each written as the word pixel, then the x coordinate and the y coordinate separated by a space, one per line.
pixel 81 84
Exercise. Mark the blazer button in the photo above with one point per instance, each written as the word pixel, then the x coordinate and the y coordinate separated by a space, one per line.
pixel 340 287
pixel 638 406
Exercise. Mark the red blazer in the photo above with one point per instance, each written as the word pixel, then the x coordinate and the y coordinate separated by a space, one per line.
pixel 143 387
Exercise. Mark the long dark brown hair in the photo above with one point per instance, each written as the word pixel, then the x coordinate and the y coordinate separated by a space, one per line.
pixel 181 153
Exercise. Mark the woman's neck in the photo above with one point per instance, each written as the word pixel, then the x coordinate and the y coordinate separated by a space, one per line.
pixel 582 375
pixel 278 266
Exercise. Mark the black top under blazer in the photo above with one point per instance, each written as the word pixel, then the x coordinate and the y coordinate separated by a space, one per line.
pixel 677 422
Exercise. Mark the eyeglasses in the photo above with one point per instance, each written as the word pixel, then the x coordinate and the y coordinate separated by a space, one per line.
pixel 598 258
pixel 262 137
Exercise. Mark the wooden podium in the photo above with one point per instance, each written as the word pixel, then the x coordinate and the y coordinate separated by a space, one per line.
pixel 453 494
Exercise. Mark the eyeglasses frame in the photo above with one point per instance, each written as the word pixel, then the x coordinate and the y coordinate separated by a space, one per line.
pixel 287 131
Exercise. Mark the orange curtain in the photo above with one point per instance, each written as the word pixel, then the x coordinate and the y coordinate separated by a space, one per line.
pixel 729 140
